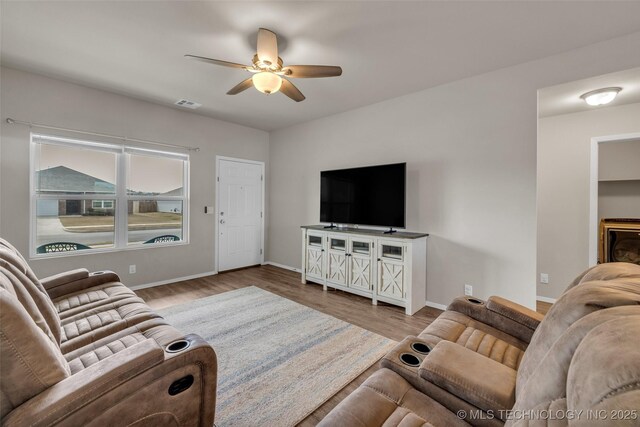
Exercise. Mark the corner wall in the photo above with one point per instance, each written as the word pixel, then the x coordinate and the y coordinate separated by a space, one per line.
pixel 470 148
pixel 31 97
pixel 564 156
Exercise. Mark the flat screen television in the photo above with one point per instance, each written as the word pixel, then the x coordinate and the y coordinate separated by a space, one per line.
pixel 372 195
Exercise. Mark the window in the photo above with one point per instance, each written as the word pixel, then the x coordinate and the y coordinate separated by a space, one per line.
pixel 102 204
pixel 95 196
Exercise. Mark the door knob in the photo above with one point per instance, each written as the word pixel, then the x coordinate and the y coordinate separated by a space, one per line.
pixel 222 221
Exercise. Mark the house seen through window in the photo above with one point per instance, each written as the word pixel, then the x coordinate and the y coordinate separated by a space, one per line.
pixel 88 195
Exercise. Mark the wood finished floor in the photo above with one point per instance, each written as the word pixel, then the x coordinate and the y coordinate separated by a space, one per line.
pixel 383 319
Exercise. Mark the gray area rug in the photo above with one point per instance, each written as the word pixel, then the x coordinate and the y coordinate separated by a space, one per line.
pixel 278 360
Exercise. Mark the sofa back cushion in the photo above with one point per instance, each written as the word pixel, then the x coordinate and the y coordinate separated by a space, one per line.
pixel 10 283
pixel 30 361
pixel 604 374
pixel 619 286
pixel 21 275
pixel 548 382
pixel 593 371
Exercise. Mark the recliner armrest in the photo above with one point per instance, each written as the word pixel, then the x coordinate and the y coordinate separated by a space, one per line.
pixel 70 394
pixel 515 312
pixel 64 278
pixel 76 280
pixel 476 379
pixel 499 316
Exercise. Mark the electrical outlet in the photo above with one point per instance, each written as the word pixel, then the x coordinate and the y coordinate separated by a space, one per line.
pixel 544 278
pixel 468 290
pixel 132 269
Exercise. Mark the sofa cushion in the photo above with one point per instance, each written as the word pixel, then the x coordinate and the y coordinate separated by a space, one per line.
pixel 93 297
pixel 30 361
pixel 577 303
pixel 20 275
pixel 476 336
pixel 94 356
pixel 156 329
pixel 17 260
pixel 549 381
pixel 471 377
pixel 10 283
pixel 606 271
pixel 386 399
pixel 605 369
pixel 99 322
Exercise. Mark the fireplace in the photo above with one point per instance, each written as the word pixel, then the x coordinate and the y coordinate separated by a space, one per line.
pixel 619 240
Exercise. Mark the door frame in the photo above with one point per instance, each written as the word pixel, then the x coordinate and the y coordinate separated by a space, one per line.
pixel 216 260
pixel 593 188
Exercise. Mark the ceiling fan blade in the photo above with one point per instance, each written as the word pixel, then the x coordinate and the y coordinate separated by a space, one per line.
pixel 217 62
pixel 291 91
pixel 311 71
pixel 242 86
pixel 267 46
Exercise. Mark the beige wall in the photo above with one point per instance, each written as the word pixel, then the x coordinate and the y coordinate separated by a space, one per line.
pixel 619 180
pixel 30 97
pixel 619 161
pixel 619 199
pixel 564 147
pixel 470 147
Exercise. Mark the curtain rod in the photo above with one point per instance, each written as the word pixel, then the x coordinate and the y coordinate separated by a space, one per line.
pixel 104 135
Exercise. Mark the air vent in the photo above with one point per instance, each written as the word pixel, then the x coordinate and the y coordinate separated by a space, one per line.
pixel 188 104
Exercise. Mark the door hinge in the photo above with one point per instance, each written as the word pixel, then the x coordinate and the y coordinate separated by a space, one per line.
pixel 260 214
pixel 260 251
pixel 261 177
pixel 218 178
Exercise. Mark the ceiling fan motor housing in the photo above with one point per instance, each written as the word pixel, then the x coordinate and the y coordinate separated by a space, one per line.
pixel 266 65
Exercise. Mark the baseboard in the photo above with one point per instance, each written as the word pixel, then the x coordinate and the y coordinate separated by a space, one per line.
pixel 286 267
pixel 177 279
pixel 435 305
pixel 546 299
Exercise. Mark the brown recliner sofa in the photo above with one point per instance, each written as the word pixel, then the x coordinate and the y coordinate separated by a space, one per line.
pixel 81 348
pixel 579 366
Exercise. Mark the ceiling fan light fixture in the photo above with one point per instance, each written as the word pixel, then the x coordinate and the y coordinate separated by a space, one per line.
pixel 601 96
pixel 267 82
pixel 267 69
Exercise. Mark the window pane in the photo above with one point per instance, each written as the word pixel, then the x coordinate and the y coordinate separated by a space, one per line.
pixel 74 170
pixel 69 225
pixel 152 175
pixel 154 221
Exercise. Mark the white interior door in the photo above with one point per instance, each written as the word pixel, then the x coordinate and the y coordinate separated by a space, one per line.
pixel 240 196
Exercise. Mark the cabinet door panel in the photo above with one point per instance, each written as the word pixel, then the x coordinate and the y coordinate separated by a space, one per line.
pixel 391 280
pixel 337 268
pixel 315 263
pixel 360 273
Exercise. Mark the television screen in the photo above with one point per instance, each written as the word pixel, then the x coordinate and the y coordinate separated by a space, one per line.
pixel 372 195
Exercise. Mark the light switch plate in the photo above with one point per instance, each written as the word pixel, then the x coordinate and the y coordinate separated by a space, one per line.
pixel 468 290
pixel 208 210
pixel 544 278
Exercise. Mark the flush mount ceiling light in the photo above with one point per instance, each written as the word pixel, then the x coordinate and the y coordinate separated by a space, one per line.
pixel 601 96
pixel 269 72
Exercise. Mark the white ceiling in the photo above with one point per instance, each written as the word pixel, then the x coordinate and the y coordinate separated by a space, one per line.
pixel 565 98
pixel 386 49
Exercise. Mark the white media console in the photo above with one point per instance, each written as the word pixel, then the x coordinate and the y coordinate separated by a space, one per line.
pixel 384 267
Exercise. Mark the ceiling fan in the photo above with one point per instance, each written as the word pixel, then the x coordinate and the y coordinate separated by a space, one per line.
pixel 268 70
